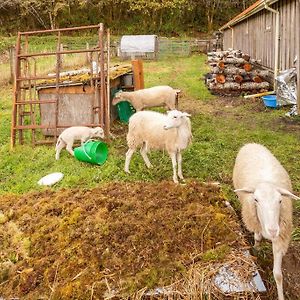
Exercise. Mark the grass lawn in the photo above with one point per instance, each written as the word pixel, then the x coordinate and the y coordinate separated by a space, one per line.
pixel 220 127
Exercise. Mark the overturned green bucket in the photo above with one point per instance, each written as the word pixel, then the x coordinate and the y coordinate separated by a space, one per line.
pixel 94 152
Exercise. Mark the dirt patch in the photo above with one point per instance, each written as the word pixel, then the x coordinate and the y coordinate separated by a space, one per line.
pixel 117 239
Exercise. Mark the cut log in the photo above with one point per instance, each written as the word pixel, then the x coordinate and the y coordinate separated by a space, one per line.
pixel 247 67
pixel 234 71
pixel 246 57
pixel 220 78
pixel 261 73
pixel 254 85
pixel 221 64
pixel 257 79
pixel 226 86
pixel 238 78
pixel 216 70
pixel 229 78
pixel 234 60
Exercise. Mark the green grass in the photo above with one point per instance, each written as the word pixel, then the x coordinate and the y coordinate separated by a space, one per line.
pixel 218 133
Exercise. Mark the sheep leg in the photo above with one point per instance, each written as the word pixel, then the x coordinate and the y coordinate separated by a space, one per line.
pixel 83 140
pixel 257 239
pixel 179 161
pixel 59 147
pixel 129 154
pixel 277 256
pixel 70 148
pixel 173 157
pixel 145 156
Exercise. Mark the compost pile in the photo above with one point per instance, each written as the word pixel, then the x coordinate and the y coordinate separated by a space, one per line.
pixel 233 72
pixel 115 241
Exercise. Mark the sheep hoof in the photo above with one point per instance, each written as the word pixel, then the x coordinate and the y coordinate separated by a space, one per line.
pixel 127 171
pixel 150 166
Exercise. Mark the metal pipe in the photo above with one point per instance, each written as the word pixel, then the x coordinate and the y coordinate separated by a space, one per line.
pixel 277 40
pixel 59 52
pixel 58 30
pixel 16 94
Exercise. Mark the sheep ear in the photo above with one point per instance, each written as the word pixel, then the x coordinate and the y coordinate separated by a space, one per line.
pixel 245 190
pixel 287 193
pixel 184 114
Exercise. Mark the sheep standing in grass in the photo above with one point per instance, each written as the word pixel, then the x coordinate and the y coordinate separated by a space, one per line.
pixel 264 189
pixel 69 135
pixel 151 97
pixel 153 130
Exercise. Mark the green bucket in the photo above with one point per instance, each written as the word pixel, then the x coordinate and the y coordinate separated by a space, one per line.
pixel 125 111
pixel 94 152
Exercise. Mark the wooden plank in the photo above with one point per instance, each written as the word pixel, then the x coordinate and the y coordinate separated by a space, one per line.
pixel 138 74
pixel 73 89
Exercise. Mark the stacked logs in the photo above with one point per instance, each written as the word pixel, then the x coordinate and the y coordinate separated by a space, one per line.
pixel 233 72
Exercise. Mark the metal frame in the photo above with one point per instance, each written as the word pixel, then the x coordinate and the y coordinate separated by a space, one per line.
pixel 25 85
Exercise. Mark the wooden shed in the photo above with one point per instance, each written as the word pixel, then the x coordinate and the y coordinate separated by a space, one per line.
pixel 269 32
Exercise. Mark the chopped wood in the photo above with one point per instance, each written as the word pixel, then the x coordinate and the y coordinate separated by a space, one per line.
pixel 257 79
pixel 221 64
pixel 220 78
pixel 246 57
pixel 234 71
pixel 234 60
pixel 254 85
pixel 247 67
pixel 226 85
pixel 238 78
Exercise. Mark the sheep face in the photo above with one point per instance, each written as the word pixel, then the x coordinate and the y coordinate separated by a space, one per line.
pixel 98 132
pixel 118 98
pixel 268 199
pixel 175 119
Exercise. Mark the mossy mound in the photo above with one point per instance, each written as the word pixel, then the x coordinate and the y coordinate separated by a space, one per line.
pixel 115 239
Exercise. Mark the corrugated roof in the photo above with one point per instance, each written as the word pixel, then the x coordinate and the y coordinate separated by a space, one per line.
pixel 251 10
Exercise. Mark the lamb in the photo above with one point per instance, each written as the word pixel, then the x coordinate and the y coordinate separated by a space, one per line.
pixel 151 97
pixel 264 189
pixel 69 135
pixel 153 130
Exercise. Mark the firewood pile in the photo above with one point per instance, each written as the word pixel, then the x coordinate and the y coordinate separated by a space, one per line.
pixel 233 72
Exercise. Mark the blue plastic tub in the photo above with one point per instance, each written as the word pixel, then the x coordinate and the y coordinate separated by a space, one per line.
pixel 270 101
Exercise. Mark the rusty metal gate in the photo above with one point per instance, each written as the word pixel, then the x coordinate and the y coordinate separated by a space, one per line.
pixel 27 107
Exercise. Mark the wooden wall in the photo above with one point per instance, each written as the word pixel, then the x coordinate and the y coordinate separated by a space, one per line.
pixel 256 36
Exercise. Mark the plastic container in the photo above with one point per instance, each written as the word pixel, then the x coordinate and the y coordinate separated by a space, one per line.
pixel 125 111
pixel 94 152
pixel 270 101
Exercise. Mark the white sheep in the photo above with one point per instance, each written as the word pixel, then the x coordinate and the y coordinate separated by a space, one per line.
pixel 150 97
pixel 69 135
pixel 264 190
pixel 153 130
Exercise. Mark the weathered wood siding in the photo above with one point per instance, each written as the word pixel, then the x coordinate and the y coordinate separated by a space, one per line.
pixel 256 35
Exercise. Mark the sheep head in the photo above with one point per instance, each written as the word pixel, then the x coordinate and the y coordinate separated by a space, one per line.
pixel 118 98
pixel 175 119
pixel 268 201
pixel 98 132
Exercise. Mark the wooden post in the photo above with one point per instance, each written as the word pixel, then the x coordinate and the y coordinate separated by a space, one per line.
pixel 138 74
pixel 12 60
pixel 298 56
pixel 107 115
